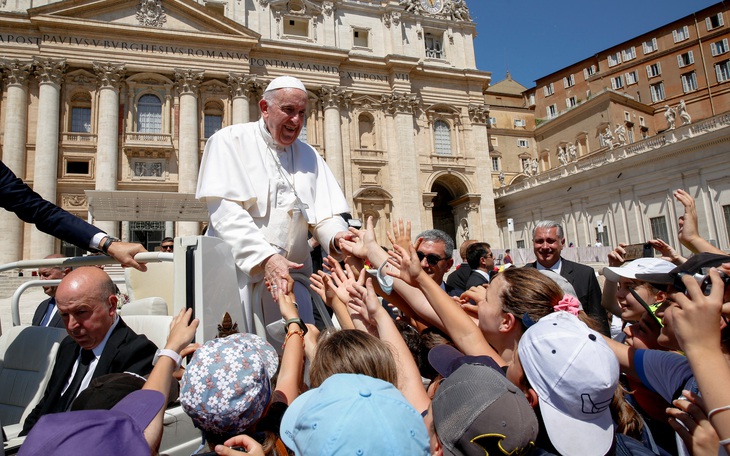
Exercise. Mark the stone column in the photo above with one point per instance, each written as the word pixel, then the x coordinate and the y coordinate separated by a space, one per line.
pixel 16 135
pixel 45 175
pixel 169 229
pixel 404 157
pixel 332 98
pixel 479 117
pixel 107 152
pixel 244 91
pixel 188 82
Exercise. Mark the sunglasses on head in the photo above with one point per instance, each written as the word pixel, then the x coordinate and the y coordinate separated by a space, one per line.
pixel 431 258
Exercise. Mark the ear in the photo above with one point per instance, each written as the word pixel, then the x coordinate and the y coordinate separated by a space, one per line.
pixel 112 301
pixel 508 322
pixel 531 396
pixel 438 448
pixel 661 296
pixel 449 264
pixel 562 241
pixel 66 270
pixel 264 106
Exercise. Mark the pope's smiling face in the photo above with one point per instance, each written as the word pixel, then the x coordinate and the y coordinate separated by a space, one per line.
pixel 284 112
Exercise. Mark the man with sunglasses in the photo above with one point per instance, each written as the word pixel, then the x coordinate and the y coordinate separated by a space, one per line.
pixel 167 245
pixel 265 191
pixel 435 254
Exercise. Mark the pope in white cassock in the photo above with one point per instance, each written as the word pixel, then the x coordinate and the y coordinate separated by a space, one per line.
pixel 266 190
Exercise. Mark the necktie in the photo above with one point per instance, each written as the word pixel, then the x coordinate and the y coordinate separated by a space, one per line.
pixel 49 312
pixel 73 388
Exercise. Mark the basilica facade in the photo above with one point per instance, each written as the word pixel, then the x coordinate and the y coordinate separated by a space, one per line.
pixel 107 104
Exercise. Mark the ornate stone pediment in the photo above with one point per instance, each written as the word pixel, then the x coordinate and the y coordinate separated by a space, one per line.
pixel 127 17
pixel 300 7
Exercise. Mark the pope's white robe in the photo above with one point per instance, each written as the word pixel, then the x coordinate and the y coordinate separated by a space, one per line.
pixel 252 205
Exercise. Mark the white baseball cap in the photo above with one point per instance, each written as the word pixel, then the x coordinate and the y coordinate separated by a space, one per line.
pixel 638 266
pixel 575 374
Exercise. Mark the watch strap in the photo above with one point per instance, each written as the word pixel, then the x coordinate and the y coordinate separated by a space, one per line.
pixel 107 243
pixel 299 323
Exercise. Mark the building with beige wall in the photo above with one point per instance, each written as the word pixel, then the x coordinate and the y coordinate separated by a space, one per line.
pixel 106 106
pixel 609 154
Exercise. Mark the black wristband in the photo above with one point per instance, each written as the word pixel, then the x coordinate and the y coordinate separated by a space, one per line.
pixel 107 243
pixel 299 323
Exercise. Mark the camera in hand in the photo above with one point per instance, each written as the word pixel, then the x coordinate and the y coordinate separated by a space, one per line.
pixel 634 251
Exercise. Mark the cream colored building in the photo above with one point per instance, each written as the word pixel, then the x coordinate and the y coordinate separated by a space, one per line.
pixel 616 133
pixel 108 96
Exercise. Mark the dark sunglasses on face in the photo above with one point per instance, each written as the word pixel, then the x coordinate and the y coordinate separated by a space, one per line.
pixel 166 247
pixel 431 258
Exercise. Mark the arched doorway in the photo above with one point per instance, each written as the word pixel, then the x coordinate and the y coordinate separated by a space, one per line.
pixel 443 212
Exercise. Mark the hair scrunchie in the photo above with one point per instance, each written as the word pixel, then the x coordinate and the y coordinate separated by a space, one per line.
pixel 569 303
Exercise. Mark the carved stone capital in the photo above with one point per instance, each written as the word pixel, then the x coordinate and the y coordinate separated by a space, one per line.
pixel 150 13
pixel 16 72
pixel 264 3
pixel 109 74
pixel 334 97
pixel 49 71
pixel 479 114
pixel 244 86
pixel 400 103
pixel 188 81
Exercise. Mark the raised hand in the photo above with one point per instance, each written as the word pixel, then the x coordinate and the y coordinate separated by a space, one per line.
pixel 667 251
pixel 406 265
pixel 357 245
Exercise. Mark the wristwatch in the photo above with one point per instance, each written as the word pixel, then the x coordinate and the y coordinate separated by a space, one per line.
pixel 299 323
pixel 109 240
pixel 172 354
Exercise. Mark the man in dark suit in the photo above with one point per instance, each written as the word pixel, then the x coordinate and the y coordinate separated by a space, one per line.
pixel 481 261
pixel 47 313
pixel 29 206
pixel 547 243
pixel 98 342
pixel 458 278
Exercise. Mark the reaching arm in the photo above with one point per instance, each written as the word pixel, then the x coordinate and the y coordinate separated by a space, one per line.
pixel 688 233
pixel 460 327
pixel 291 368
pixel 182 331
pixel 365 302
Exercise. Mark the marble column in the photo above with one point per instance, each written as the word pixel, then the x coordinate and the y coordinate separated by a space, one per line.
pixel 244 91
pixel 404 157
pixel 332 98
pixel 16 133
pixel 479 144
pixel 109 76
pixel 45 172
pixel 188 82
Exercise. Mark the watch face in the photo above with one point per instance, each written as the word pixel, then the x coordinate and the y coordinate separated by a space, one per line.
pixel 432 6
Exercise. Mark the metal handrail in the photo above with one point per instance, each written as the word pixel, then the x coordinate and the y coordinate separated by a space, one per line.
pixel 70 262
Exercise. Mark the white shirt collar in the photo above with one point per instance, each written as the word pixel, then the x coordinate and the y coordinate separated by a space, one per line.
pixel 556 267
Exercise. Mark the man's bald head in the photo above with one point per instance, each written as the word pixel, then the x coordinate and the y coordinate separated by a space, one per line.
pixel 87 301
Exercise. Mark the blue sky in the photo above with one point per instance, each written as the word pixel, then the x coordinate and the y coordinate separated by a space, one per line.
pixel 533 38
